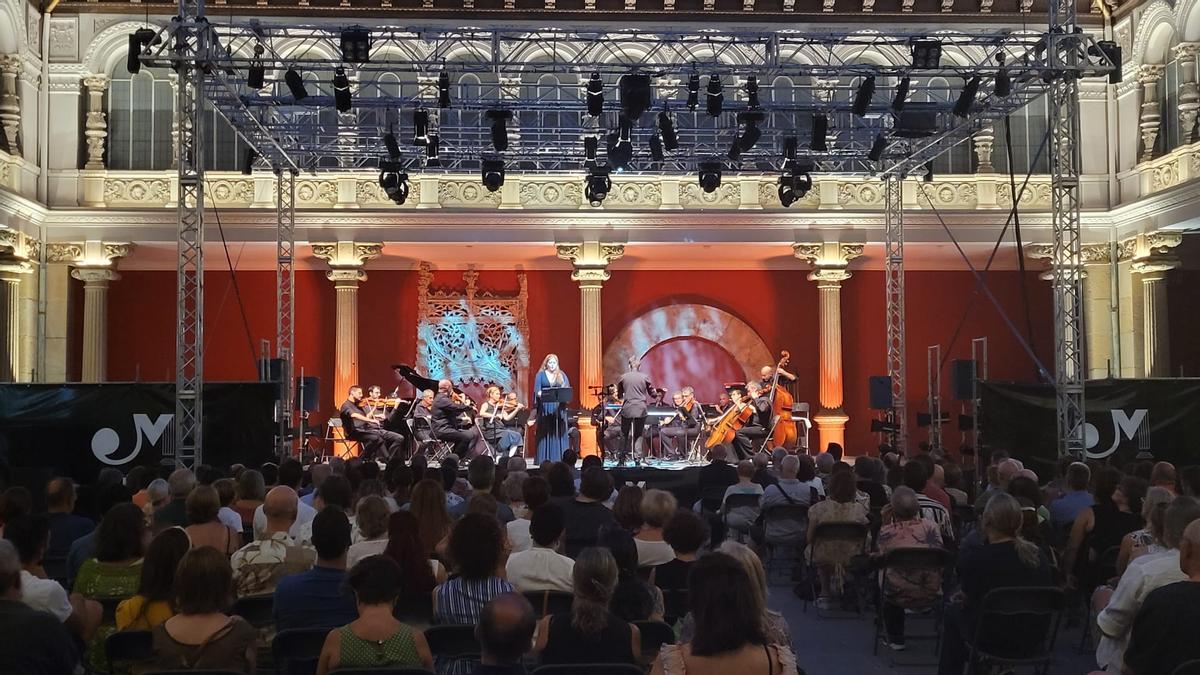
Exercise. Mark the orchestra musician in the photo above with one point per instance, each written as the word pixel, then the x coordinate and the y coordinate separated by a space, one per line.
pixel 767 375
pixel 634 390
pixel 608 425
pixel 756 428
pixel 494 415
pixel 684 424
pixel 723 402
pixel 553 430
pixel 367 430
pixel 446 414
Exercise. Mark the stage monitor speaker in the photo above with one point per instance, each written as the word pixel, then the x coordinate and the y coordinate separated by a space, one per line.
pixel 312 392
pixel 963 375
pixel 272 368
pixel 880 388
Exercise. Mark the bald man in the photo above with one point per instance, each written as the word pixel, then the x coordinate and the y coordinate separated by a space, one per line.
pixel 259 565
pixel 1164 633
pixel 505 633
pixel 446 418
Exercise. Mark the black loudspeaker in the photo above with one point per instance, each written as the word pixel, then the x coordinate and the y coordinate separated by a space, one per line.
pixel 963 374
pixel 312 392
pixel 272 368
pixel 880 387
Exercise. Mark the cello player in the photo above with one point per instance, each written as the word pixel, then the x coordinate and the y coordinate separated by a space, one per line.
pixel 756 428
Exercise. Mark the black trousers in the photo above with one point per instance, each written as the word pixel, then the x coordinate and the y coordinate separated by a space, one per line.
pixel 611 441
pixel 380 442
pixel 464 440
pixel 675 439
pixel 743 440
pixel 631 429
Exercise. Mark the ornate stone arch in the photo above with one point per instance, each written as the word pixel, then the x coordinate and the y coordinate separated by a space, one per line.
pixel 11 26
pixel 1151 43
pixel 1188 20
pixel 687 320
pixel 110 46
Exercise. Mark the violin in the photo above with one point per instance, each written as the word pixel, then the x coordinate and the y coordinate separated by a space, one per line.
pixel 784 433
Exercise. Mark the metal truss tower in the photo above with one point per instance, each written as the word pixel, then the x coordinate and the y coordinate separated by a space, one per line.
pixel 893 265
pixel 285 287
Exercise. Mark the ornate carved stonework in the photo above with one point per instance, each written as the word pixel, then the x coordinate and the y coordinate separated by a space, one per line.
pixel 1035 194
pixel 590 259
pixel 10 104
pixel 319 192
pixel 550 194
pixel 231 191
pixel 952 195
pixel 636 195
pixel 346 258
pixel 728 194
pixel 57 252
pixel 96 123
pixel 137 192
pixel 368 193
pixel 466 193
pixel 768 197
pixel 860 194
pixel 63 43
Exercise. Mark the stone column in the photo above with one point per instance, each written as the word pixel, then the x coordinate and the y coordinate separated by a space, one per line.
pixel 96 122
pixel 1150 116
pixel 346 260
pixel 985 138
pixel 590 259
pixel 1189 95
pixel 10 103
pixel 16 262
pixel 1152 261
pixel 829 261
pixel 94 263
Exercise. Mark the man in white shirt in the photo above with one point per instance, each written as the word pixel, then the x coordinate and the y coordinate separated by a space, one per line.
pixel 542 568
pixel 291 473
pixel 30 535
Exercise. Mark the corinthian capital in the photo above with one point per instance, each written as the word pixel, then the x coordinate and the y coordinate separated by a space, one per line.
pixel 829 259
pixel 590 259
pixel 346 258
pixel 1150 73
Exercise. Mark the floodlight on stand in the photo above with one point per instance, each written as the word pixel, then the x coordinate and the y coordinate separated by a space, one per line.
pixel 901 96
pixel 499 129
pixel 820 124
pixel 393 147
pixel 1003 81
pixel 595 95
pixel 431 150
pixel 693 90
pixel 257 74
pixel 666 127
pixel 443 86
pixel 420 126
pixel 926 53
pixel 750 135
pixel 393 181
pixel 356 45
pixel 656 148
pixel 710 176
pixel 715 97
pixel 341 91
pixel 862 97
pixel 877 148
pixel 597 185
pixel 493 174
pixel 295 84
pixel 752 91
pixel 962 107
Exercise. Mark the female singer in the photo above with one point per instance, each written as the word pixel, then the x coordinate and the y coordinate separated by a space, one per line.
pixel 552 428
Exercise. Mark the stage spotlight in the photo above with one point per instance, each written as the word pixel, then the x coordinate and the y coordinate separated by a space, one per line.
pixel 1003 81
pixel 666 127
pixel 862 97
pixel 877 148
pixel 590 145
pixel 789 149
pixel 499 120
pixel 735 151
pixel 341 91
pixel 420 126
pixel 257 74
pixel 597 186
pixel 882 427
pixel 749 137
pixel 493 174
pixel 752 91
pixel 248 163
pixel 635 94
pixel 620 144
pixel 393 147
pixel 715 98
pixel 656 148
pixel 820 124
pixel 431 150
pixel 929 172
pixel 295 84
pixel 356 45
pixel 926 54
pixel 1112 52
pixel 795 185
pixel 693 90
pixel 901 94
pixel 595 95
pixel 966 99
pixel 138 40
pixel 710 176
pixel 393 181
pixel 443 86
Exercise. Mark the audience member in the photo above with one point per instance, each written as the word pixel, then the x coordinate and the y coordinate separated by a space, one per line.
pixel 916 477
pixel 205 528
pixel 1163 475
pixel 796 485
pixel 449 471
pixel 31 535
pixel 372 518
pixel 776 627
pixel 729 633
pixel 251 493
pixel 586 513
pixel 511 490
pixel 589 633
pixel 419 574
pixel 833 555
pixel 476 551
pixel 226 492
pixel 1002 470
pixel 627 509
pixel 869 474
pixel 180 483
pixel 14 503
pixel 1117 512
pixel 907 587
pixel 115 570
pixel 686 533
pixel 1075 497
pixel 1189 481
pixel 505 634
pixel 542 567
pixel 763 476
pixel 741 517
pixel 535 492
pixel 1163 635
pixel 317 473
pixel 34 641
pixel 336 491
pixel 825 462
pixel 657 508
pixel 316 598
pixel 201 635
pixel 259 565
pixel 158 495
pixel 481 474
pixel 717 473
pixel 562 484
pixel 429 507
pixel 1149 538
pixel 137 480
pixel 85 546
pixel 953 483
pixel 291 474
pixel 634 598
pixel 65 526
pixel 154 601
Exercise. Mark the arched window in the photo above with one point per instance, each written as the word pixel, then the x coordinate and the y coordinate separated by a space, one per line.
pixel 1170 130
pixel 223 147
pixel 1028 131
pixel 960 158
pixel 140 112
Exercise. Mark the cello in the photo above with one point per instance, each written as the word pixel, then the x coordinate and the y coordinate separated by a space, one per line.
pixel 783 433
pixel 725 428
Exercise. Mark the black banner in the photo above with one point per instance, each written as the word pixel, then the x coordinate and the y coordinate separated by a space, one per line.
pixel 78 429
pixel 1124 418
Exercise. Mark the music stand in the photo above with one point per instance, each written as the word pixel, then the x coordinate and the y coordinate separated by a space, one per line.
pixel 562 396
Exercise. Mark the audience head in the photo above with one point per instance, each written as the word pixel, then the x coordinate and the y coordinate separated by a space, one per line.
pixel 627 509
pixel 1189 551
pixel 842 487
pixel 181 482
pixel 475 546
pixel 335 491
pixel 727 610
pixel 546 525
pixel 121 535
pixel 331 534
pixel 291 473
pixel 620 544
pixel 790 467
pixel 481 473
pixel 157 582
pixel 317 473
pixel 719 453
pixel 905 505
pixel 777 457
pixel 590 461
pixel 595 484
pixel 806 469
pixel 535 491
pixel 1003 520
pixel 372 517
pixel 745 469
pixel 1078 476
pixel 749 561
pixel 762 460
pixel 157 493
pixel 485 503
pixel 657 507
pixel 60 495
pixel 1163 475
pixel 251 486
pixel 916 476
pixel 10 572
pixel 686 532
pixel 953 475
pixel 203 582
pixel 202 505
pixel 570 457
pixel 1026 488
pixel 516 464
pixel 375 581
pixel 1181 513
pixel 595 578
pixel 835 451
pixel 429 506
pixel 226 490
pixel 1006 470
pixel 560 480
pixel 1154 510
pixel 30 535
pixel 513 487
pixel 825 462
pixel 1130 493
pixel 505 629
pixel 405 547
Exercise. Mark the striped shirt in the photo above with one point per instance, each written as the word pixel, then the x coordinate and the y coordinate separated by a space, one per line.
pixel 461 600
pixel 932 510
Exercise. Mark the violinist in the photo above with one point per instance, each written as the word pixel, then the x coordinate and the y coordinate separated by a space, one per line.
pixel 684 424
pixel 367 430
pixel 756 428
pixel 495 413
pixel 448 409
pixel 606 419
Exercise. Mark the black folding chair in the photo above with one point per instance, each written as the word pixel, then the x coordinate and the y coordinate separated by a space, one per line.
pixel 296 651
pixel 1106 568
pixel 257 610
pixel 777 520
pixel 416 611
pixel 128 647
pixel 1017 626
pixel 590 669
pixel 855 533
pixel 381 671
pixel 453 641
pixel 911 561
pixel 739 502
pixel 549 602
pixel 654 635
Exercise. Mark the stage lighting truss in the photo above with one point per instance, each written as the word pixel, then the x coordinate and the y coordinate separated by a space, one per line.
pixel 547 128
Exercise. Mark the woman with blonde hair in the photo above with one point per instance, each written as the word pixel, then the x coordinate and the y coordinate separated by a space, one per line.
pixel 656 509
pixel 552 429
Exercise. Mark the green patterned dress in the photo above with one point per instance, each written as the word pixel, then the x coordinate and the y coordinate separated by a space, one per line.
pixel 397 651
pixel 106 583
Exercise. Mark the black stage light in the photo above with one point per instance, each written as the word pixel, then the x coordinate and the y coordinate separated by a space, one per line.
pixel 393 147
pixel 590 145
pixel 356 45
pixel 929 172
pixel 493 174
pixel 341 91
pixel 420 126
pixel 666 127
pixel 443 90
pixel 710 176
pixel 735 151
pixel 789 149
pixel 656 148
pixel 431 151
pixel 820 125
pixel 620 144
pixel 257 74
pixel 499 120
pixel 915 124
pixel 926 53
pixel 595 95
pixel 750 135
pixel 394 181
pixel 693 90
pixel 862 97
pixel 715 97
pixel 752 91
pixel 795 184
pixel 248 163
pixel 901 96
pixel 634 90
pixel 1112 52
pixel 962 107
pixel 1003 81
pixel 295 84
pixel 877 148
pixel 138 40
pixel 882 427
pixel 597 186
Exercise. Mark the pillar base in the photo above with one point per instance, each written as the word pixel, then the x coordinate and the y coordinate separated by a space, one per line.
pixel 831 428
pixel 587 438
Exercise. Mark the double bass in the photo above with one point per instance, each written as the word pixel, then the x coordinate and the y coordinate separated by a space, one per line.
pixel 783 434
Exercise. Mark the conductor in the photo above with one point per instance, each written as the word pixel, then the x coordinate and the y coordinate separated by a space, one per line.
pixel 634 388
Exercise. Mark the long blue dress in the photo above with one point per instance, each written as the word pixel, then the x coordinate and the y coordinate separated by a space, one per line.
pixel 552 428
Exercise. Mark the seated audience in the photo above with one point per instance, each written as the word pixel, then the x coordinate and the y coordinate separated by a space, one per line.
pixel 30 536
pixel 259 565
pixel 1163 635
pixel 476 552
pixel 115 570
pixel 206 529
pixel 505 634
pixel 154 601
pixel 953 484
pixel 825 462
pixel 1099 528
pixel 562 483
pixel 657 508
pixel 1163 475
pixel 65 526
pixel 542 568
pixel 226 493
pixel 158 495
pixel 251 493
pixel 418 573
pixel 34 641
pixel 741 518
pixel 590 632
pixel 428 506
pixel 201 635
pixel 316 598
pixel 717 473
pixel 535 492
pixel 372 518
pixel 291 474
pixel 586 513
pixel 481 475
pixel 907 588
pixel 797 484
pixel 776 627
pixel 317 473
pixel 1075 496
pixel 627 508
pixel 685 533
pixel 634 598
pixel 1149 538
pixel 729 634
pixel 916 478
pixel 85 546
pixel 174 514
pixel 870 475
pixel 1005 560
pixel 375 639
pixel 763 476
pixel 338 492
pixel 832 556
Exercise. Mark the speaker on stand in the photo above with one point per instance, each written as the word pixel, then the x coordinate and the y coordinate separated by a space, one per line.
pixel 879 390
pixel 308 393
